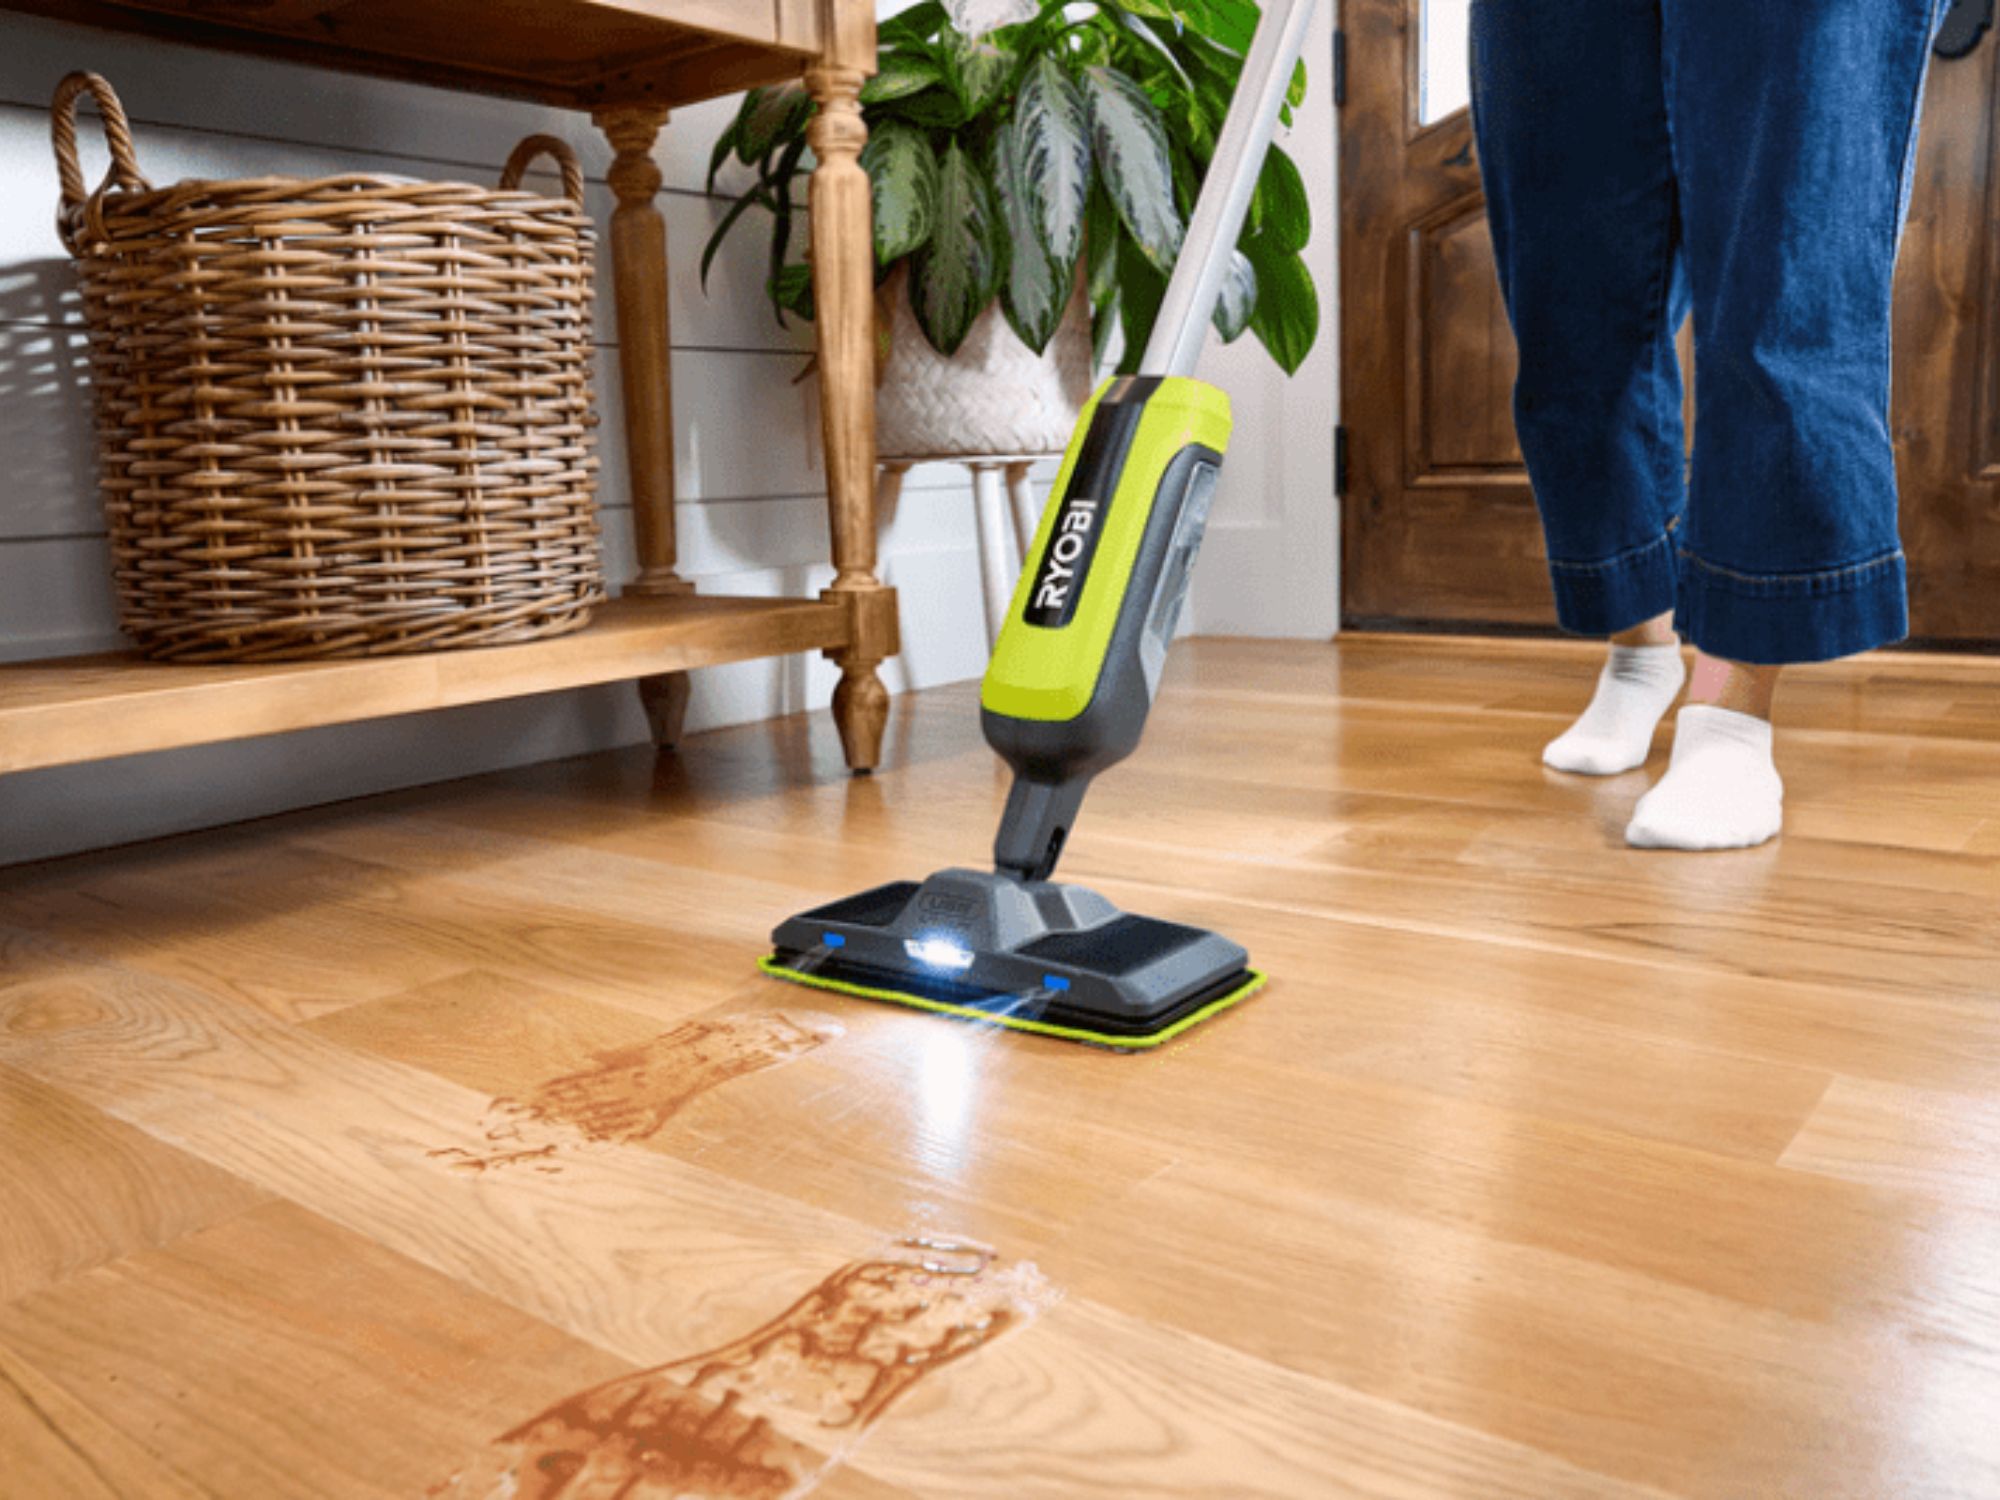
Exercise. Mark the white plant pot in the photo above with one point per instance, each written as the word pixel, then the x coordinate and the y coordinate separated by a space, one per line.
pixel 994 396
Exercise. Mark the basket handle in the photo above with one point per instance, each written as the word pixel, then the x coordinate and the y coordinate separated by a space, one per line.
pixel 124 170
pixel 558 151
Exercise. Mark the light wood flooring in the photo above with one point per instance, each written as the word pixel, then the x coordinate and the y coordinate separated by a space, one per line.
pixel 448 1144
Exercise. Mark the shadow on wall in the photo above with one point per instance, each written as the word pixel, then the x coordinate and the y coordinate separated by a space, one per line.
pixel 46 421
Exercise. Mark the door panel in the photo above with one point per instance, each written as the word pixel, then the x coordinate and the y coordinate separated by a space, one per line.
pixel 1439 524
pixel 1947 377
pixel 1459 421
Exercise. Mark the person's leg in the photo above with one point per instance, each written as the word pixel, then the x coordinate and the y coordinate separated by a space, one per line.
pixel 1569 112
pixel 1794 136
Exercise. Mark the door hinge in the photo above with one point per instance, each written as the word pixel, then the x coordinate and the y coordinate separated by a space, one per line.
pixel 1339 66
pixel 1339 461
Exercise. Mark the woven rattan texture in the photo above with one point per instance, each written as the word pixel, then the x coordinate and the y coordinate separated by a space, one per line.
pixel 341 416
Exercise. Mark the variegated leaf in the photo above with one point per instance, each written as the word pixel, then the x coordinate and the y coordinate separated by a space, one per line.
pixel 1032 296
pixel 979 72
pixel 769 115
pixel 953 277
pixel 1130 145
pixel 900 76
pixel 1052 130
pixel 1238 299
pixel 904 176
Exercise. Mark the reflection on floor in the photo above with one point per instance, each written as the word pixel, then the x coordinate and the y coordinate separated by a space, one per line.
pixel 449 1142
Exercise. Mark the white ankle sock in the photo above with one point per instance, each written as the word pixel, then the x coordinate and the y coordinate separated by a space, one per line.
pixel 1634 691
pixel 1721 790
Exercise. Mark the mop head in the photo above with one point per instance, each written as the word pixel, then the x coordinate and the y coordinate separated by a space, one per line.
pixel 1054 960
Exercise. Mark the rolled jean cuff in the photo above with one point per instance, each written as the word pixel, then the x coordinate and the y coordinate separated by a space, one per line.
pixel 1603 598
pixel 1774 619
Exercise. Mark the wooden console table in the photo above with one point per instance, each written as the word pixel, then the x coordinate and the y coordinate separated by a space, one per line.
pixel 627 62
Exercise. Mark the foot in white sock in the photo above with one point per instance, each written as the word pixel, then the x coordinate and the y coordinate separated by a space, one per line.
pixel 1634 691
pixel 1721 790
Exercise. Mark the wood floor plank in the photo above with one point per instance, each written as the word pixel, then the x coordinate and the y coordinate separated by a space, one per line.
pixel 1893 1135
pixel 55 1445
pixel 1624 1373
pixel 398 1145
pixel 278 1354
pixel 645 1258
pixel 90 1189
pixel 293 936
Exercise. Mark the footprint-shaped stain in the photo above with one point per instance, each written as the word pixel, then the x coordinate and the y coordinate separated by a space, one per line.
pixel 768 1416
pixel 628 1094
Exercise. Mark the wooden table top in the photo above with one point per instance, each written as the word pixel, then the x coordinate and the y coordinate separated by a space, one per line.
pixel 576 53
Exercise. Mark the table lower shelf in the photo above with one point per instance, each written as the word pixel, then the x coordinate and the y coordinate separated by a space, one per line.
pixel 68 709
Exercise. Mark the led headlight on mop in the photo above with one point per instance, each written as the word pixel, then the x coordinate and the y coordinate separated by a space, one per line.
pixel 938 952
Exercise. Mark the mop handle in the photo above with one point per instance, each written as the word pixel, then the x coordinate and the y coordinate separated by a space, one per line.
pixel 1182 325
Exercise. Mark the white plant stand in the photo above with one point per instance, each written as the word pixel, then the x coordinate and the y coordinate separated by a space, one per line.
pixel 1005 513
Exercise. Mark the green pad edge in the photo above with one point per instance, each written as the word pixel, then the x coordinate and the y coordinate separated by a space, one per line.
pixel 770 965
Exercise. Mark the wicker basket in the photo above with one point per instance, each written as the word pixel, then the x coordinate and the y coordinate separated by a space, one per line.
pixel 342 416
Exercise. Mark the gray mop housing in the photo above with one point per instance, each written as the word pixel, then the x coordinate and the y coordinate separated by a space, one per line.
pixel 1057 953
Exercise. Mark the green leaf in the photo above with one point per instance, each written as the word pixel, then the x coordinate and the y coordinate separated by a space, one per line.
pixel 724 144
pixel 1130 144
pixel 1052 142
pixel 1036 287
pixel 1231 23
pixel 900 76
pixel 778 180
pixel 1157 48
pixel 1140 289
pixel 1238 299
pixel 791 290
pixel 755 195
pixel 1279 211
pixel 978 75
pixel 953 278
pixel 937 106
pixel 911 27
pixel 769 117
pixel 903 173
pixel 1287 317
pixel 1101 234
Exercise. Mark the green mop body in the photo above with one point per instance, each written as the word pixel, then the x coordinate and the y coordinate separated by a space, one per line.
pixel 1071 682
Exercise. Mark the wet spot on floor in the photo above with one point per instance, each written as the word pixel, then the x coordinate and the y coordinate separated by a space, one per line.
pixel 628 1094
pixel 768 1416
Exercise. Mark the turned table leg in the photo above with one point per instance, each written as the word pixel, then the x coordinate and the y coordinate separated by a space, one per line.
pixel 843 258
pixel 639 282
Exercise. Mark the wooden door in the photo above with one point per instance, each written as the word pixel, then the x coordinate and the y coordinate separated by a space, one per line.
pixel 1439 524
pixel 1947 333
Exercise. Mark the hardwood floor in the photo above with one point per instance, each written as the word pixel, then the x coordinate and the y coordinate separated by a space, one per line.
pixel 448 1143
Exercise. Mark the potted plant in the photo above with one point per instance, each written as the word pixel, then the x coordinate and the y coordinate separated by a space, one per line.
pixel 1031 188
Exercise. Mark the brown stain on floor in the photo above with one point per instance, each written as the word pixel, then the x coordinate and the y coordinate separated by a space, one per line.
pixel 628 1094
pixel 767 1416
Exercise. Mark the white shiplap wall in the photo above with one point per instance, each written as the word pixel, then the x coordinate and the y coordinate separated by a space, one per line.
pixel 751 514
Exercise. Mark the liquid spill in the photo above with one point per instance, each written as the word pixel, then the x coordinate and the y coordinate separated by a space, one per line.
pixel 770 1415
pixel 628 1094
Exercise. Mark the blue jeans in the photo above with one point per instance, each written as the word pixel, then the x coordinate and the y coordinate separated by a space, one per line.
pixel 1751 160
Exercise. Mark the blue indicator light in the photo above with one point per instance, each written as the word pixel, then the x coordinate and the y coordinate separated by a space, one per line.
pixel 833 940
pixel 1054 982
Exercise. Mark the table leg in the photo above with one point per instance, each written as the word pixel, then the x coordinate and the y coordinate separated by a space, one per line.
pixel 843 260
pixel 639 284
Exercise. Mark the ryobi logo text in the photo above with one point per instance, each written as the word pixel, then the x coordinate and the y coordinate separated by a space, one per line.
pixel 1059 580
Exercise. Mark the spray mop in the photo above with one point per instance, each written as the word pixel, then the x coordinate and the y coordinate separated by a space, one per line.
pixel 1072 679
